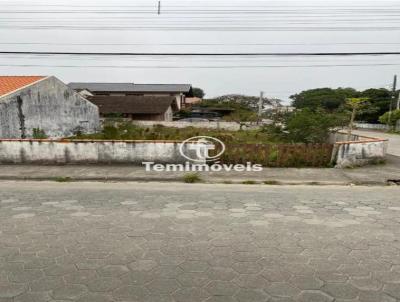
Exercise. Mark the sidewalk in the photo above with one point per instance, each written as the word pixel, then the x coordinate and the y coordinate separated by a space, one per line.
pixel 370 175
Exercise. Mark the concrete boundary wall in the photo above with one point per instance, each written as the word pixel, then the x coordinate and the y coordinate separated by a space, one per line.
pixel 18 151
pixel 376 126
pixel 371 126
pixel 357 151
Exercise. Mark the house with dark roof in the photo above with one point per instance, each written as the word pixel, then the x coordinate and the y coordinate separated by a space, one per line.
pixel 178 91
pixel 43 103
pixel 145 108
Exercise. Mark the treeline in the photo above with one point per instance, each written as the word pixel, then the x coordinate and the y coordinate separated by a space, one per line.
pixel 334 100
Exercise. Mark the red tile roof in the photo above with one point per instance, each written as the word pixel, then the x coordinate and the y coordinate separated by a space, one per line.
pixel 11 83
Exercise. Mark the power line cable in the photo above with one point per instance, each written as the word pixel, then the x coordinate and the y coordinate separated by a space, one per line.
pixel 201 67
pixel 199 44
pixel 243 54
pixel 189 12
pixel 207 28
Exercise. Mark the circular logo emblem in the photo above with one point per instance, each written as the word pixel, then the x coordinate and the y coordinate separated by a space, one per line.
pixel 197 148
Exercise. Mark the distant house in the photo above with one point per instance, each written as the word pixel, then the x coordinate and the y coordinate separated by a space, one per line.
pixel 43 103
pixel 179 91
pixel 192 101
pixel 147 108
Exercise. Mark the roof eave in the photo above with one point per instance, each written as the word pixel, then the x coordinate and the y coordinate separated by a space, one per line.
pixel 23 87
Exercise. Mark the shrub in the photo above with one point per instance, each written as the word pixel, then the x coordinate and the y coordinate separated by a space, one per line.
pixel 249 182
pixel 62 179
pixel 110 132
pixel 394 117
pixel 271 182
pixel 39 134
pixel 191 178
pixel 78 131
pixel 306 126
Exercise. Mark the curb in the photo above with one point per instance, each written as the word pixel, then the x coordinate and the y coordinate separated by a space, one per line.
pixel 206 181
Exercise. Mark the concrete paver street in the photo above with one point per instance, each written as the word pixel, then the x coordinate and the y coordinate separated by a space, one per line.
pixel 175 242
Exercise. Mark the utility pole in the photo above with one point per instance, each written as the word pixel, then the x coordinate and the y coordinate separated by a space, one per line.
pixel 260 105
pixel 391 99
pixel 159 7
pixel 398 102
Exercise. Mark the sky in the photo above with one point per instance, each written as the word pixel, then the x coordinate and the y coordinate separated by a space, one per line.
pixel 216 26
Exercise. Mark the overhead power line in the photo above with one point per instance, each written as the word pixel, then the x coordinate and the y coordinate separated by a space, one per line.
pixel 201 66
pixel 55 53
pixel 199 10
pixel 207 28
pixel 199 44
pixel 208 5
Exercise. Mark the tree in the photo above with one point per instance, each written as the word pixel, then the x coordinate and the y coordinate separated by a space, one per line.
pixel 355 104
pixel 378 104
pixel 306 126
pixel 394 117
pixel 335 100
pixel 325 98
pixel 245 101
pixel 311 126
pixel 227 104
pixel 198 92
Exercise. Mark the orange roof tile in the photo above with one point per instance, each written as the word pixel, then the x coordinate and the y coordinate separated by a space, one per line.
pixel 11 83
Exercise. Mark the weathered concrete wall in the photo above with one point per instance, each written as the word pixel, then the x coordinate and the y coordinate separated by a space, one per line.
pixel 376 126
pixel 96 152
pixel 209 125
pixel 371 126
pixel 342 137
pixel 49 105
pixel 358 151
pixel 359 154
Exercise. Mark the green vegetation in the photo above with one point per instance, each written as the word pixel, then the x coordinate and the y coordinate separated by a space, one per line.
pixel 355 105
pixel 62 179
pixel 305 126
pixel 191 178
pixel 128 131
pixel 38 134
pixel 270 146
pixel 249 182
pixel 244 108
pixel 271 182
pixel 237 102
pixel 326 98
pixel 392 121
pixel 233 101
pixel 334 100
pixel 198 92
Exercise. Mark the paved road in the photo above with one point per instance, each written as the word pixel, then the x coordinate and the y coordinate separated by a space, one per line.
pixel 187 243
pixel 394 140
